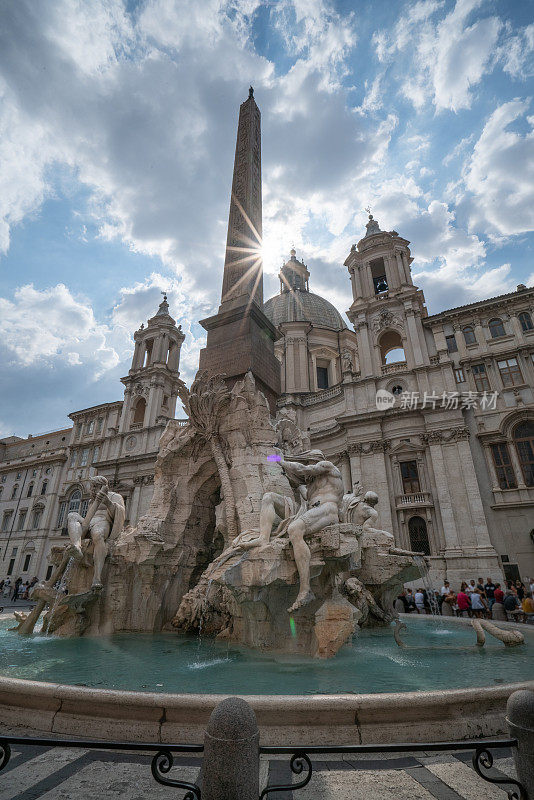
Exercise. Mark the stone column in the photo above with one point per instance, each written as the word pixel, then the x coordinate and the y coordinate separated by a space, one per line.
pixel 414 337
pixel 520 719
pixel 290 365
pixel 231 764
pixel 452 542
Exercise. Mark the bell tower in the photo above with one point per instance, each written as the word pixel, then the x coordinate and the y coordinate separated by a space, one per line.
pixel 152 382
pixel 387 309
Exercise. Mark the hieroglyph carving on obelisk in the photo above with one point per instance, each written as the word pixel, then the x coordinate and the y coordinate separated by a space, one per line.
pixel 243 269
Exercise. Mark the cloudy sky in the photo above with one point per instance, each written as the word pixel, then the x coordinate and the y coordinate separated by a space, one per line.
pixel 118 121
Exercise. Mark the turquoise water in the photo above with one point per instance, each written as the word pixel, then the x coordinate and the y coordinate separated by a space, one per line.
pixel 173 663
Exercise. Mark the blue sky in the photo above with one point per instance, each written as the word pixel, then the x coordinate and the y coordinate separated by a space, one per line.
pixel 118 129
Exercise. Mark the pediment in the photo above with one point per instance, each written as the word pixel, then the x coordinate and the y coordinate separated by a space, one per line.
pixel 406 447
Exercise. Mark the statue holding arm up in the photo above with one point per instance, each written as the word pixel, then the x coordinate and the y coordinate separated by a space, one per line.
pixel 104 519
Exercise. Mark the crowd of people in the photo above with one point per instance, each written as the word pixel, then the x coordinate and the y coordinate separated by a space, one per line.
pixel 489 600
pixel 19 590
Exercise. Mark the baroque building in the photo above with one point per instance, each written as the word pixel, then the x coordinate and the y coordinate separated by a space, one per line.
pixel 434 413
pixel 44 477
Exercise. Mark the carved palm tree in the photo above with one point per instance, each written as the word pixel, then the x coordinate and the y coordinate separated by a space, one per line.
pixel 205 404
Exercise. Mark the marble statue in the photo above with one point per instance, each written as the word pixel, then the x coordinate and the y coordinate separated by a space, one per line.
pixel 361 510
pixel 104 520
pixel 320 487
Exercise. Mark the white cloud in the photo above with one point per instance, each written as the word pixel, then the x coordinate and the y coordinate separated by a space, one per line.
pixel 51 325
pixel 446 57
pixel 517 53
pixel 499 175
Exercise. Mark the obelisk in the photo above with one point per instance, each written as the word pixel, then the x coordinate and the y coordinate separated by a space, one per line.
pixel 240 337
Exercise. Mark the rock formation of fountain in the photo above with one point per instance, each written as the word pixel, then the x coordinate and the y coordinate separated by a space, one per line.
pixel 179 567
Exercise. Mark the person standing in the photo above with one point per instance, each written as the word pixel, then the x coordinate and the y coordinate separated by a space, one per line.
pixel 478 604
pixel 16 590
pixel 520 589
pixel 420 601
pixel 462 601
pixel 7 587
pixel 489 589
pixel 410 601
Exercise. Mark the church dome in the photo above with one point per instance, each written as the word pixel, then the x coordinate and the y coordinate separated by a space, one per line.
pixel 296 303
pixel 303 306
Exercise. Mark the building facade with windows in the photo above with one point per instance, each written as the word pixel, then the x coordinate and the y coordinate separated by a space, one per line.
pixel 44 477
pixel 434 413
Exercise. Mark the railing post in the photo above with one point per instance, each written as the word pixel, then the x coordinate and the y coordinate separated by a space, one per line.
pixel 231 764
pixel 520 718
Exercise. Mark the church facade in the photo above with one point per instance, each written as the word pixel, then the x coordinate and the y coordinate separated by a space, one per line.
pixel 435 413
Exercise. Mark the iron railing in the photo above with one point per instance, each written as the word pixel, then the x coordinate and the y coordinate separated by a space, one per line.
pixel 300 761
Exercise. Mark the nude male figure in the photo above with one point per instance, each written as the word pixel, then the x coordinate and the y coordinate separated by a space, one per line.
pixel 104 518
pixel 320 486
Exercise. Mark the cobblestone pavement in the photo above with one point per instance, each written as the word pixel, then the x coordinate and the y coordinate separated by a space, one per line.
pixel 64 773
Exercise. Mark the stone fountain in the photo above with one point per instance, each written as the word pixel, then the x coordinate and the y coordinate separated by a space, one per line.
pixel 249 537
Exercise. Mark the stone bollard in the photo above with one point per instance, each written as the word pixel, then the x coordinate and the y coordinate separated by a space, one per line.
pixel 231 761
pixel 520 719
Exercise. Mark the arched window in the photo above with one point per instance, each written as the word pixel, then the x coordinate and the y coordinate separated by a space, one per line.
pixel 418 536
pixel 526 321
pixel 391 348
pixel 469 334
pixel 496 328
pixel 523 436
pixel 75 500
pixel 139 412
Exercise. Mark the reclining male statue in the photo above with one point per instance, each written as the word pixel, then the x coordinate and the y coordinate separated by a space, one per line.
pixel 104 520
pixel 320 486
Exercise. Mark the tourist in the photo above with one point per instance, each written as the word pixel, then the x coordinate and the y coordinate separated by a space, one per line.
pixel 7 587
pixel 527 606
pixel 411 601
pixel 489 589
pixel 478 603
pixel 480 587
pixel 16 590
pixel 448 605
pixel 520 589
pixel 498 593
pixel 400 606
pixel 462 601
pixel 470 587
pixel 420 601
pixel 531 585
pixel 445 589
pixel 512 606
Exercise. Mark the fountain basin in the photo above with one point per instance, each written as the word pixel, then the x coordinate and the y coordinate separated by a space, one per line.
pixel 324 717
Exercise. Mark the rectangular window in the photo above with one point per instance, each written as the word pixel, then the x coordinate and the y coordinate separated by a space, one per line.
pixel 452 347
pixel 73 455
pixel 85 457
pixel 83 507
pixel 49 571
pixel 410 477
pixel 22 520
pixel 459 376
pixel 61 514
pixel 34 473
pixel 90 427
pixel 5 521
pixel 27 560
pixel 510 372
pixel 14 492
pixel 19 475
pixel 503 466
pixel 322 377
pixel 481 377
pixel 36 519
pixel 99 424
pixel 96 453
pixel 4 477
pixel 11 565
pixel 30 490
